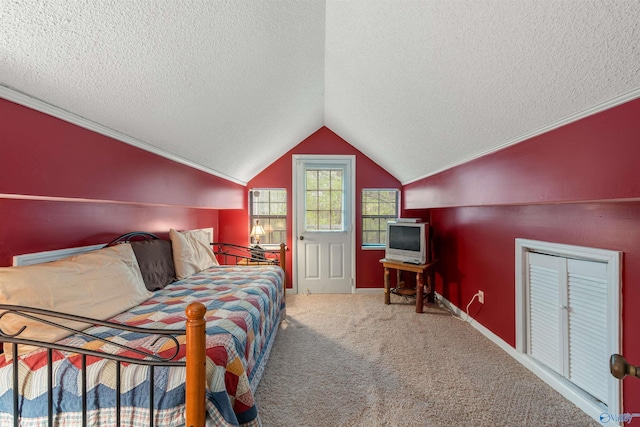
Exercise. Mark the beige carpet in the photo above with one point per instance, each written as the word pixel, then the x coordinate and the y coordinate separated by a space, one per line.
pixel 350 360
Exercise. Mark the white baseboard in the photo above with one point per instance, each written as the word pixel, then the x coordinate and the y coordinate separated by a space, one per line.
pixel 590 407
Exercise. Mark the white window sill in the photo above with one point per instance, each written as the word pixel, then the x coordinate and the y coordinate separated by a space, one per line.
pixel 268 246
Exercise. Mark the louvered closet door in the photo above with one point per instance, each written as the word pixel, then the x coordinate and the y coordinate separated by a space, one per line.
pixel 567 314
pixel 588 357
pixel 545 298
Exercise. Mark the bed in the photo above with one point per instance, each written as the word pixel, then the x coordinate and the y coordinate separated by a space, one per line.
pixel 194 351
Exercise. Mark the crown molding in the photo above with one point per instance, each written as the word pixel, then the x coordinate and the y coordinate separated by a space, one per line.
pixel 43 107
pixel 629 96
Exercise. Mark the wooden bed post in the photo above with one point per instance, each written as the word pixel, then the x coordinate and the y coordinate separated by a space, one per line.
pixel 196 367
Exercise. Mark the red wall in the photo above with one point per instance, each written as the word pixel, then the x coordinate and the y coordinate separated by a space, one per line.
pixel 578 185
pixel 368 175
pixel 63 186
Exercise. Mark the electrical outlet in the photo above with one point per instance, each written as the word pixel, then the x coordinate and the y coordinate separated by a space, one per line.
pixel 481 297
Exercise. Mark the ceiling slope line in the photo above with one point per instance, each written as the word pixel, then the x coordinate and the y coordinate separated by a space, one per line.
pixel 57 112
pixel 619 100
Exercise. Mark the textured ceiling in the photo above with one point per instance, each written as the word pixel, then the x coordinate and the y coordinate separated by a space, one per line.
pixel 418 86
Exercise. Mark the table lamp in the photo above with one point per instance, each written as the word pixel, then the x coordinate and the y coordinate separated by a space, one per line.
pixel 256 232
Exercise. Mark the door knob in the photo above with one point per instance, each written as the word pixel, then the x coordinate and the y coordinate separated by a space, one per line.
pixel 620 368
pixel 301 238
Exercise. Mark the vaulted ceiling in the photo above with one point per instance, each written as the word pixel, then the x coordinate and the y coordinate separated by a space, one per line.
pixel 418 86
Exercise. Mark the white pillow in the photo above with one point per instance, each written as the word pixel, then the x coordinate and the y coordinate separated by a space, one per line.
pixel 98 284
pixel 192 252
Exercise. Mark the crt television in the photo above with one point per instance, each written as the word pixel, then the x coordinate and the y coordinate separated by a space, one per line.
pixel 407 242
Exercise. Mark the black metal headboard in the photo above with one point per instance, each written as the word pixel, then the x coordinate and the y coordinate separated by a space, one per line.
pixel 126 238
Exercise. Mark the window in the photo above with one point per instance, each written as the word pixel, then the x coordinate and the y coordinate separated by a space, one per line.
pixel 324 200
pixel 378 207
pixel 268 206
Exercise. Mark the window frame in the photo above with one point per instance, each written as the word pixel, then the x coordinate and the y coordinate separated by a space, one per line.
pixel 253 217
pixel 336 205
pixel 379 245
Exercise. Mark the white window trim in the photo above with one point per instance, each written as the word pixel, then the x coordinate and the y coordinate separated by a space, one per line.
pixel 564 387
pixel 263 245
pixel 381 246
pixel 373 247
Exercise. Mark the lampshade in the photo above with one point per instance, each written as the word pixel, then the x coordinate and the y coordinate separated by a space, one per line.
pixel 257 231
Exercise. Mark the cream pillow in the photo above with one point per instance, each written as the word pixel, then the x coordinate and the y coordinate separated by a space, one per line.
pixel 98 284
pixel 192 252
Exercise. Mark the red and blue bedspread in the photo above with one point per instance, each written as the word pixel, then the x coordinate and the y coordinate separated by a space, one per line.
pixel 243 304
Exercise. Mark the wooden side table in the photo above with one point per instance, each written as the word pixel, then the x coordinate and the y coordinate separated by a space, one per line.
pixel 420 270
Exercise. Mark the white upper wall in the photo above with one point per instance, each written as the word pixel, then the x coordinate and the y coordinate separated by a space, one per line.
pixel 418 86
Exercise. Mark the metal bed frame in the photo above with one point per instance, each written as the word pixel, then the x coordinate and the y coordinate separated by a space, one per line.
pixel 195 317
pixel 195 339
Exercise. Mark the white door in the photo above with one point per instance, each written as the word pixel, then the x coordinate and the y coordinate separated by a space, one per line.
pixel 323 223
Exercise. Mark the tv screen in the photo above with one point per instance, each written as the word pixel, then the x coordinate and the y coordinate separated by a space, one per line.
pixel 405 238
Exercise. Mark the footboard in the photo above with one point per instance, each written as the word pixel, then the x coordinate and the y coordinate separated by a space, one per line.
pixel 194 360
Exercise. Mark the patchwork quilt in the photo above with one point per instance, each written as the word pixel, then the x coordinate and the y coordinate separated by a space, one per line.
pixel 243 312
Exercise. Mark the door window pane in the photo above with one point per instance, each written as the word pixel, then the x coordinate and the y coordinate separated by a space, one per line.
pixel 324 179
pixel 336 180
pixel 324 200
